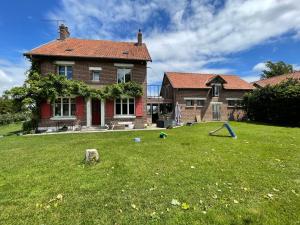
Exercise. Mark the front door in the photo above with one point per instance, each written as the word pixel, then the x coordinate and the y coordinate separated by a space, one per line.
pixel 96 107
pixel 216 111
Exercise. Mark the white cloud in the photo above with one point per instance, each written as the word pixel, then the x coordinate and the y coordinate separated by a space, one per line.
pixel 259 67
pixel 296 67
pixel 251 78
pixel 12 74
pixel 196 34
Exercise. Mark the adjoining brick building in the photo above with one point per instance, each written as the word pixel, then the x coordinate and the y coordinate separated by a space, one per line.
pixel 97 63
pixel 205 97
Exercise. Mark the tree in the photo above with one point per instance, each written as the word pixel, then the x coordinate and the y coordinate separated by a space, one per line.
pixel 276 104
pixel 276 69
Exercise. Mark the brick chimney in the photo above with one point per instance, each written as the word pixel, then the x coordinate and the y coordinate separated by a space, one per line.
pixel 139 38
pixel 63 32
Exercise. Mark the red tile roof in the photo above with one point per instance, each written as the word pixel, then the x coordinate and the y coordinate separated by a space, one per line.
pixel 74 47
pixel 276 80
pixel 198 81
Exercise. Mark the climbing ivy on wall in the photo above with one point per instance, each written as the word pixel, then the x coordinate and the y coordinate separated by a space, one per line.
pixel 39 88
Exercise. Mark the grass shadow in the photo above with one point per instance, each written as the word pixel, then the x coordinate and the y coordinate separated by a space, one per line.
pixel 220 135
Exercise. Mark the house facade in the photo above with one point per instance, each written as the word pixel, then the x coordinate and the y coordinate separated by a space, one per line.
pixel 97 63
pixel 205 97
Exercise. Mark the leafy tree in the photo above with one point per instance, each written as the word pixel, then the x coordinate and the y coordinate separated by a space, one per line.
pixel 276 69
pixel 277 104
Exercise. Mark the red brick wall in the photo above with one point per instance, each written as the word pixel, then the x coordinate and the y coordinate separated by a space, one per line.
pixel 108 76
pixel 189 113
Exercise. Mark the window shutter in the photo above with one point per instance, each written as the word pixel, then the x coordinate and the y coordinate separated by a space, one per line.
pixel 109 108
pixel 45 110
pixel 139 106
pixel 80 108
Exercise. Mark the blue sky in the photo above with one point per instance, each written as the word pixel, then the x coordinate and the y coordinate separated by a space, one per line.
pixel 215 36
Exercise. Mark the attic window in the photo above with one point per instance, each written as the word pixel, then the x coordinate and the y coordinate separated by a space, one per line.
pixel 69 49
pixel 126 52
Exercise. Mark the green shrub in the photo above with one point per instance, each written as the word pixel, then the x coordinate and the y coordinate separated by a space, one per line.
pixel 277 104
pixel 13 117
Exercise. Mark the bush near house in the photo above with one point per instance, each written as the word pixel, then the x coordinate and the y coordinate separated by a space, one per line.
pixel 10 112
pixel 277 104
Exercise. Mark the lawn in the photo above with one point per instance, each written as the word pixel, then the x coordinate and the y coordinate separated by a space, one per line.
pixel 254 179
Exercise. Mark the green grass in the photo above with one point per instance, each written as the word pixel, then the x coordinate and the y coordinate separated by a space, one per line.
pixel 263 160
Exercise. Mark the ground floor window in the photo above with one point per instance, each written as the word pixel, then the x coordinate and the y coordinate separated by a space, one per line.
pixel 125 106
pixel 64 107
pixel 234 102
pixel 200 103
pixel 189 102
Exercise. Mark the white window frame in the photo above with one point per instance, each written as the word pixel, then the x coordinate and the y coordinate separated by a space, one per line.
pixel 93 78
pixel 233 99
pixel 61 108
pixel 214 88
pixel 123 79
pixel 124 115
pixel 65 74
pixel 199 106
pixel 189 106
pixel 195 99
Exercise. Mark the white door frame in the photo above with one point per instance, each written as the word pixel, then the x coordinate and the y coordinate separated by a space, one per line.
pixel 102 113
pixel 89 112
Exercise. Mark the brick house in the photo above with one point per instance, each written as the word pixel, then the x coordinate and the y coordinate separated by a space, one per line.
pixel 205 97
pixel 97 63
pixel 276 80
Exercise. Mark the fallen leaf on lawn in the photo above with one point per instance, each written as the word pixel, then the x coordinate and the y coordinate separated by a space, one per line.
pixel 269 196
pixel 120 210
pixel 204 212
pixel 235 201
pixel 133 206
pixel 154 215
pixel 201 202
pixel 185 206
pixel 245 189
pixel 219 190
pixel 59 197
pixel 152 189
pixel 278 160
pixel 215 196
pixel 295 192
pixel 175 202
pixel 156 173
pixel 192 167
pixel 274 189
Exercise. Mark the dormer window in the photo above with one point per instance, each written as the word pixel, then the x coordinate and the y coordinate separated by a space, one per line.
pixel 216 90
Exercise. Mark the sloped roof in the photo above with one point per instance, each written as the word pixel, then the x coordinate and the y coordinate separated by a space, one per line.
pixel 198 81
pixel 73 47
pixel 276 80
